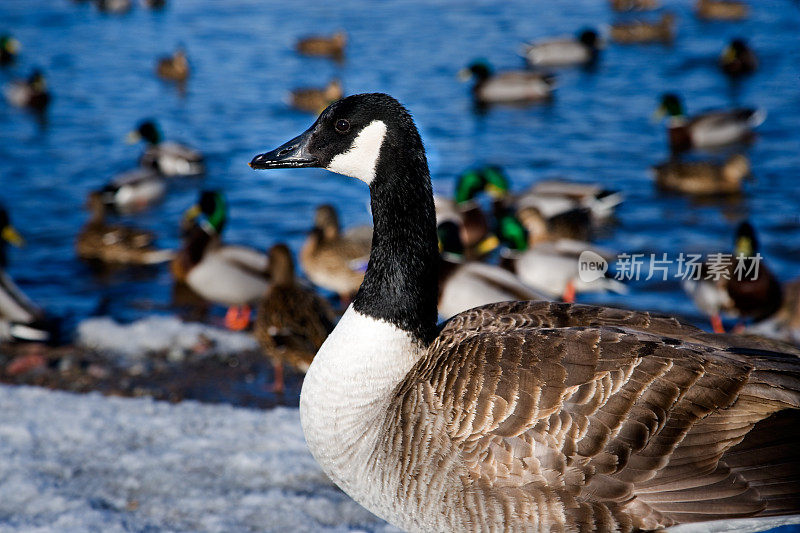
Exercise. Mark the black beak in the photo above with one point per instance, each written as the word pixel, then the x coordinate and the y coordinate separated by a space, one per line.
pixel 293 154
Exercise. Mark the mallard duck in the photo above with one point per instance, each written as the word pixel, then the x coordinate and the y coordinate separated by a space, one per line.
pixel 235 276
pixel 465 284
pixel 20 318
pixel 508 87
pixel 332 260
pixel 31 93
pixel 174 67
pixel 292 321
pixel 313 99
pixel 114 6
pixel 707 130
pixel 703 177
pixel 738 59
pixel 320 45
pixel 741 285
pixel 134 190
pixel 633 5
pixel 116 244
pixel 553 197
pixel 575 224
pixel 9 49
pixel 168 158
pixel 640 31
pixel 526 415
pixel 548 53
pixel 721 9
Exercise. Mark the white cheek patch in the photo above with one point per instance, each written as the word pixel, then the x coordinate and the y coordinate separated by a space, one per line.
pixel 360 160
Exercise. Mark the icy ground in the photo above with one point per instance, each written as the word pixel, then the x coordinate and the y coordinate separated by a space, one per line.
pixel 72 463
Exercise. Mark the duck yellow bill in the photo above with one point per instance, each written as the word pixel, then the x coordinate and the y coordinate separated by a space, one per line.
pixel 494 191
pixel 133 137
pixel 11 236
pixel 464 74
pixel 192 213
pixel 487 245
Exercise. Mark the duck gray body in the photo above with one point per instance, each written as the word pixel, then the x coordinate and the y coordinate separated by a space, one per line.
pixel 525 416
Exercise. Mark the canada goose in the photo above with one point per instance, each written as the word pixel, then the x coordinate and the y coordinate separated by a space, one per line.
pixel 466 284
pixel 174 67
pixel 721 9
pixel 332 260
pixel 292 321
pixel 639 31
pixel 31 92
pixel 525 416
pixel 20 318
pixel 564 52
pixel 703 177
pixel 319 45
pixel 134 190
pixel 9 49
pixel 114 6
pixel 707 130
pixel 168 158
pixel 738 59
pixel 741 286
pixel 508 87
pixel 633 5
pixel 107 243
pixel 235 276
pixel 314 100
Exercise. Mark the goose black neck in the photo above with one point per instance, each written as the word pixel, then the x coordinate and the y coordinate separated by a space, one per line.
pixel 401 282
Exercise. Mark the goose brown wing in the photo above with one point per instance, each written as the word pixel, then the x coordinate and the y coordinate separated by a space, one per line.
pixel 606 418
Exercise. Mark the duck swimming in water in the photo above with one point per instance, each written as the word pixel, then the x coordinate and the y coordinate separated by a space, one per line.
pixel 525 415
pixel 30 93
pixel 168 158
pixel 507 87
pixel 550 53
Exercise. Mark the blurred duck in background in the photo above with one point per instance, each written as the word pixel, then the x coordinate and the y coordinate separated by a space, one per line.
pixel 564 52
pixel 707 130
pixel 116 244
pixel 9 49
pixel 784 325
pixel 742 286
pixel 738 59
pixel 154 4
pixel 556 196
pixel 114 6
pixel 292 320
pixel 642 32
pixel 234 276
pixel 721 10
pixel 20 318
pixel 133 191
pixel 334 260
pixel 703 178
pixel 174 67
pixel 633 5
pixel 530 225
pixel 316 99
pixel 29 93
pixel 168 158
pixel 465 284
pixel 326 46
pixel 507 87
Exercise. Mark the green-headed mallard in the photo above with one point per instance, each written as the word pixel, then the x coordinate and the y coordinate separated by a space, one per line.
pixel 464 284
pixel 321 45
pixel 710 129
pixel 31 93
pixel 116 244
pixel 315 99
pixel 9 49
pixel 507 87
pixel 633 5
pixel 640 31
pixel 739 285
pixel 134 190
pixel 564 52
pixel 738 59
pixel 703 177
pixel 721 9
pixel 333 260
pixel 292 321
pixel 235 276
pixel 168 158
pixel 174 67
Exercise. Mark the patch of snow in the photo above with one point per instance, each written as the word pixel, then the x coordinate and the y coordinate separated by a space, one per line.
pixel 93 463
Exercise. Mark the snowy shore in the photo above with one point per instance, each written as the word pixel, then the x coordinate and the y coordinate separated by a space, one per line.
pixel 72 463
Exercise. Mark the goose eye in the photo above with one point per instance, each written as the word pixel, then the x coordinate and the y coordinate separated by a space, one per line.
pixel 342 126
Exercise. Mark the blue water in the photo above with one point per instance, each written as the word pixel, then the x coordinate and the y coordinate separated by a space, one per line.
pixel 598 128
